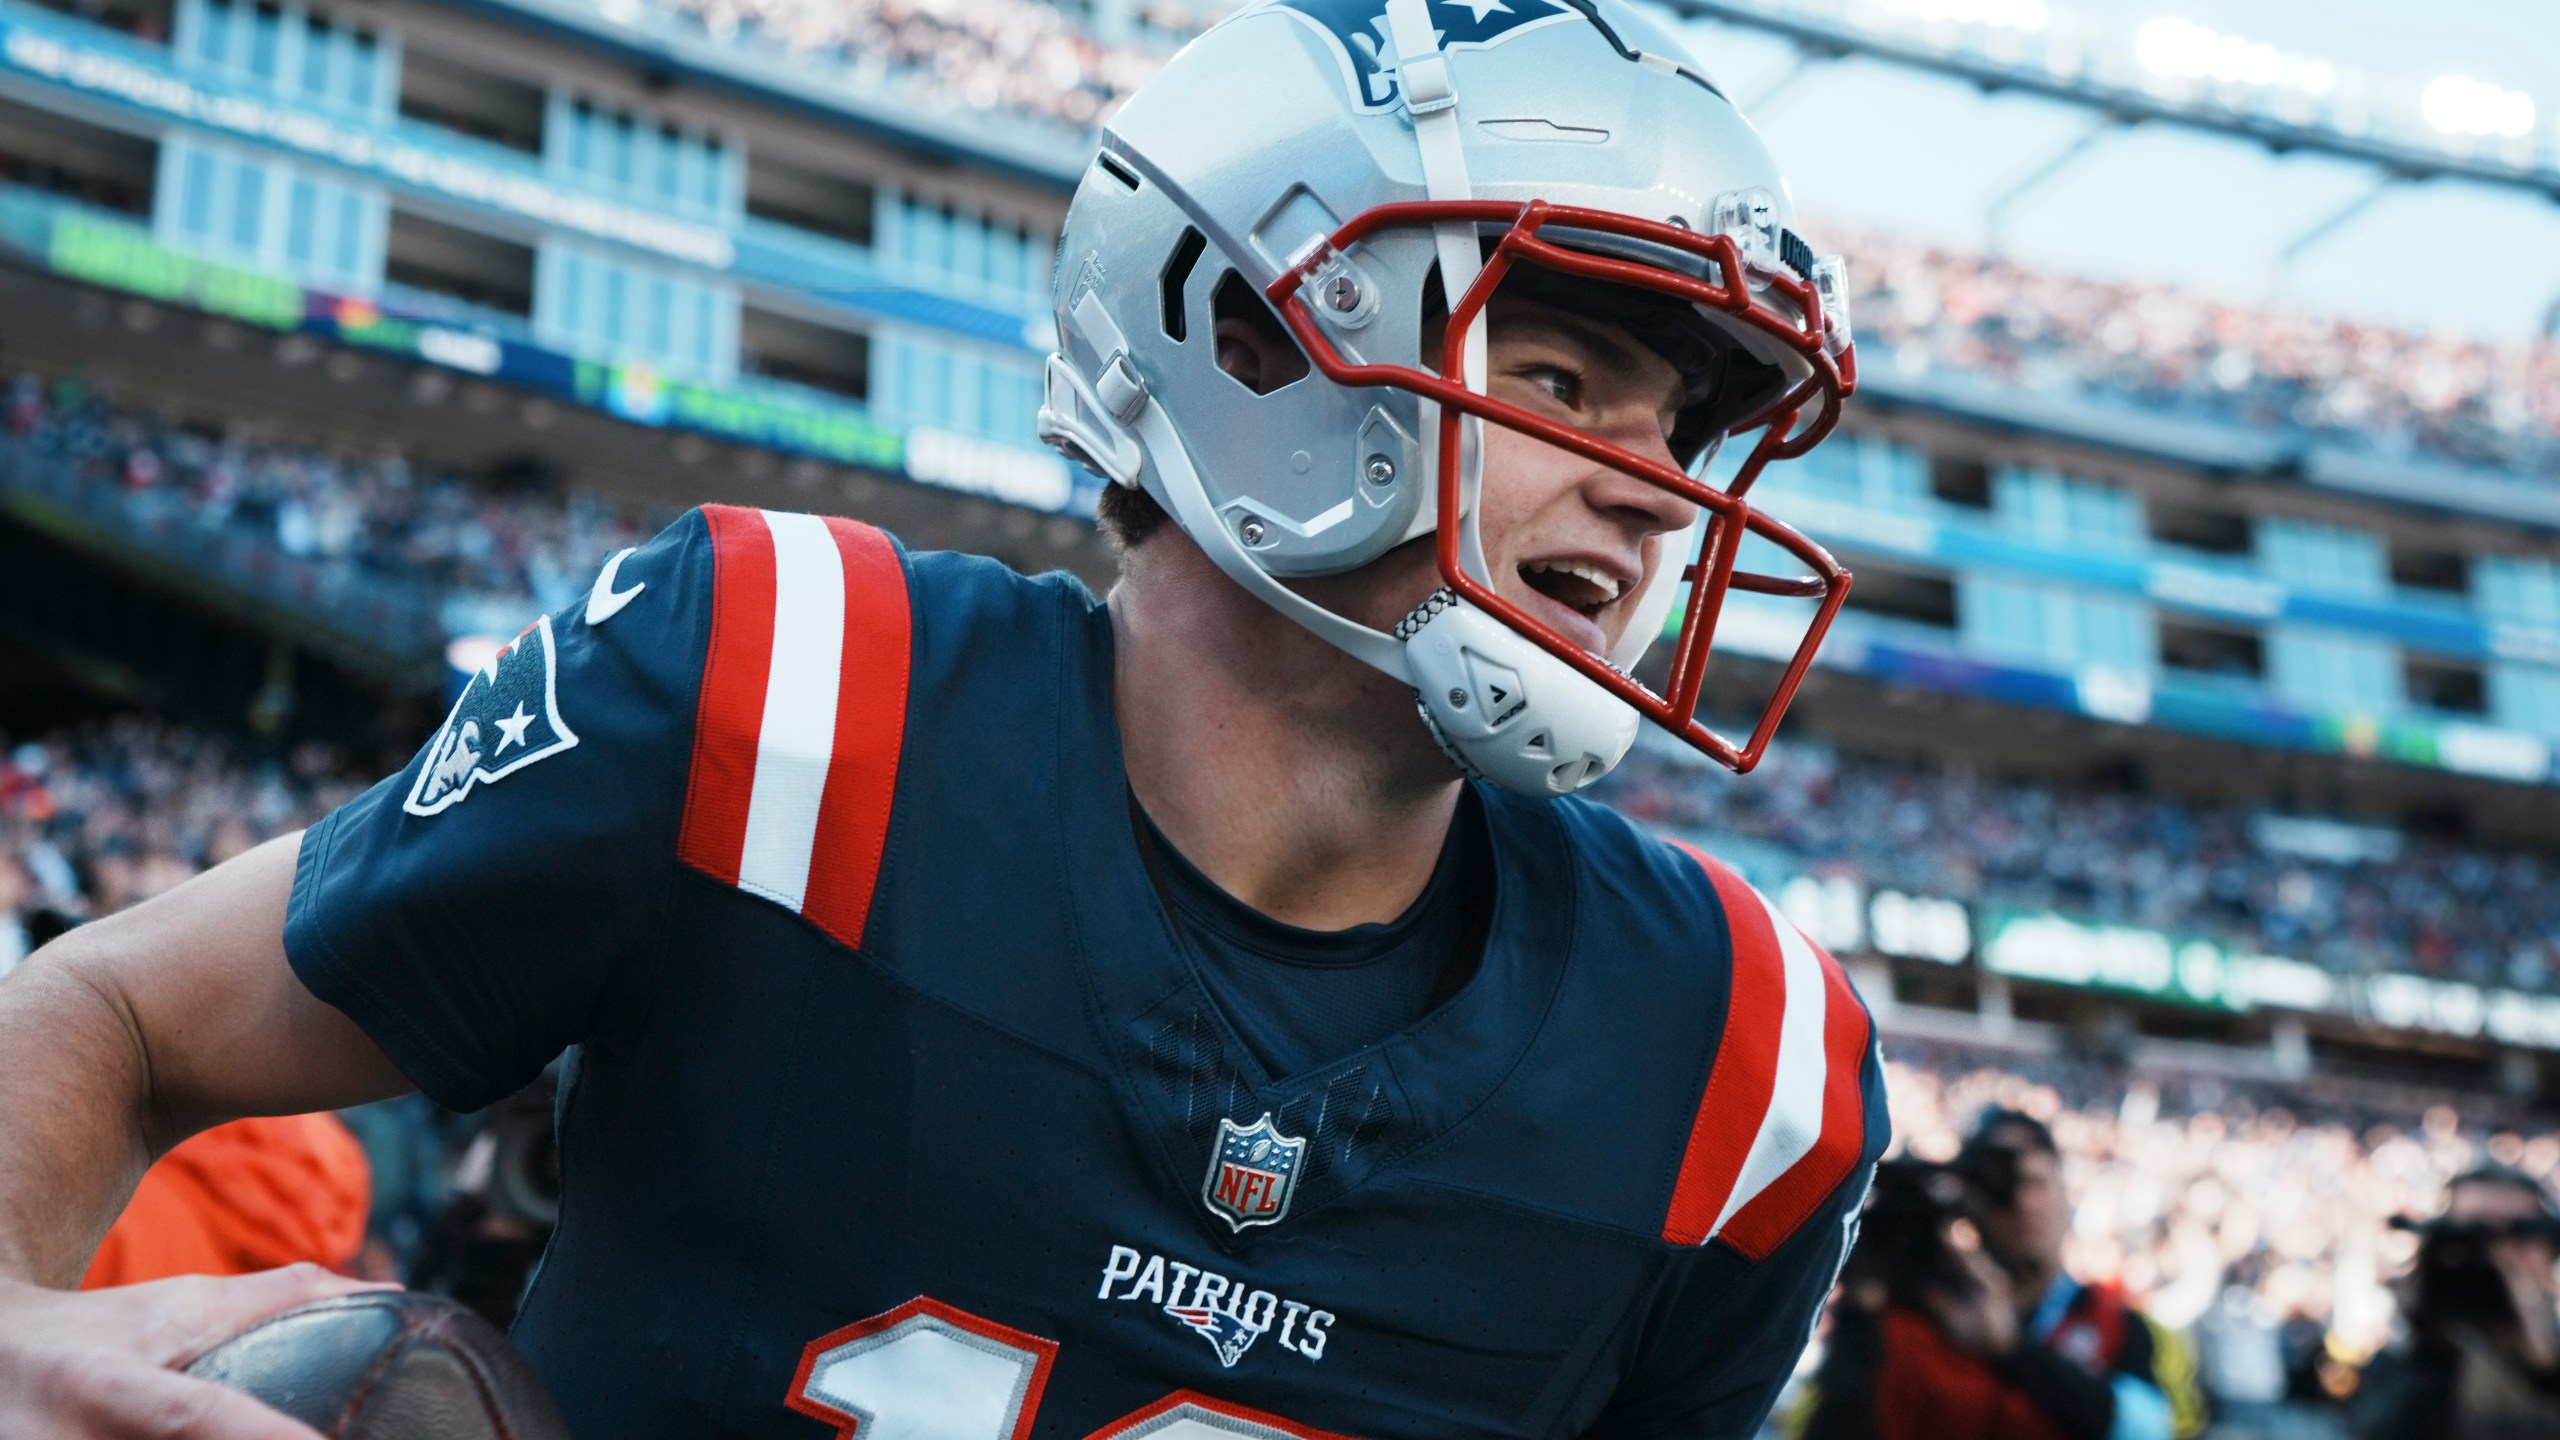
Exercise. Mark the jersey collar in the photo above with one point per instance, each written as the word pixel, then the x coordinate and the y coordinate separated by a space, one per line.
pixel 1180 1064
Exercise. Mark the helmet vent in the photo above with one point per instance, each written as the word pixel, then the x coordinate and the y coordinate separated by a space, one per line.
pixel 1177 276
pixel 1116 170
pixel 1256 350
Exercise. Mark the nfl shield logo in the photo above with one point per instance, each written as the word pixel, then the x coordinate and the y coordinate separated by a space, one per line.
pixel 1252 1173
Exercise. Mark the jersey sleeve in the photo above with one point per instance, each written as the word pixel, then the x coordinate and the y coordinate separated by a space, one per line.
pixel 1766 1205
pixel 492 903
pixel 1727 1331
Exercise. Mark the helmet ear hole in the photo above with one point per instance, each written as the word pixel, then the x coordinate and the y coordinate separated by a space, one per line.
pixel 1177 278
pixel 1253 346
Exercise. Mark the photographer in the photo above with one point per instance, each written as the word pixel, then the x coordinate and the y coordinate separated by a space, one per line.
pixel 2479 1358
pixel 1955 1316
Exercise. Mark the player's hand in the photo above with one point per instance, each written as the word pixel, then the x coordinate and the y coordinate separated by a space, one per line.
pixel 101 1364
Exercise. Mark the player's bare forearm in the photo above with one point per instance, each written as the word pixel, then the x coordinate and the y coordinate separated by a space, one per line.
pixel 71 1138
pixel 126 1036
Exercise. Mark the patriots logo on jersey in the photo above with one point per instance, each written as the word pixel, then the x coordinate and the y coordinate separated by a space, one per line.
pixel 508 717
pixel 1358 30
pixel 1252 1173
pixel 1226 1334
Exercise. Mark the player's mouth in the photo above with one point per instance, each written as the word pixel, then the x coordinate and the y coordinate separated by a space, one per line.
pixel 1575 597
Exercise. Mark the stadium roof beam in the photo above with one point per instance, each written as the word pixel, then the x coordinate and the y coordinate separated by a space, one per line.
pixel 2281 267
pixel 1996 214
pixel 2129 104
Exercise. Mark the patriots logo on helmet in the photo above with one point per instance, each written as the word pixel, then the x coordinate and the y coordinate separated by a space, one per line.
pixel 1226 1334
pixel 508 717
pixel 1358 29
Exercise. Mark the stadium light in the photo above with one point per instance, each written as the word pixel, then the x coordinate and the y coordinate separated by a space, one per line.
pixel 1997 14
pixel 2183 50
pixel 2461 105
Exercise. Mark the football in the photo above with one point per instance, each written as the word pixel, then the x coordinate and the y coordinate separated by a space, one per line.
pixel 388 1366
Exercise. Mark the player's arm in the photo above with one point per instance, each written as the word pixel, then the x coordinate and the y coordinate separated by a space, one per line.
pixel 119 1040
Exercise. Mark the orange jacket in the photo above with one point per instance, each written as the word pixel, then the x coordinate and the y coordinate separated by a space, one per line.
pixel 250 1195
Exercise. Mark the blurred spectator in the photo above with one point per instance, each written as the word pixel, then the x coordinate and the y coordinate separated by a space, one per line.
pixel 2415 904
pixel 2479 1357
pixel 1969 1323
pixel 250 1195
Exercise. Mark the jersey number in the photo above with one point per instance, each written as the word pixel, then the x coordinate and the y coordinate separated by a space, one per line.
pixel 927 1371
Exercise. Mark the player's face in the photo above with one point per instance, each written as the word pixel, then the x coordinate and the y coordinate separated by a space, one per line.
pixel 1570 541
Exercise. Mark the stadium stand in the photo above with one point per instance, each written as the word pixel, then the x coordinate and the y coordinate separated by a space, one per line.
pixel 2356 899
pixel 375 513
pixel 98 817
pixel 1924 308
pixel 1014 55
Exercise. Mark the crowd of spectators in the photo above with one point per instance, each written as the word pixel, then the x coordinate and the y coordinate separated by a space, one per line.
pixel 521 545
pixel 2258 1221
pixel 95 819
pixel 1029 60
pixel 2413 904
pixel 1921 308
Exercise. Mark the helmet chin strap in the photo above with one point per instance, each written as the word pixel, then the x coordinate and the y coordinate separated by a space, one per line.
pixel 1430 99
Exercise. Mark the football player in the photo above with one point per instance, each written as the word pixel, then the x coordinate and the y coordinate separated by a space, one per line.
pixel 993 1012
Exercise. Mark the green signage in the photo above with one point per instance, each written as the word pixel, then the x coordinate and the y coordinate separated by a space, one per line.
pixel 2128 960
pixel 125 257
pixel 638 392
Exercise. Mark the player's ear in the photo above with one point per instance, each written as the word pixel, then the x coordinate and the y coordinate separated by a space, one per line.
pixel 1252 345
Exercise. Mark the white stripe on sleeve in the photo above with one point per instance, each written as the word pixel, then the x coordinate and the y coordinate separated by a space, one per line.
pixel 798 738
pixel 1794 1122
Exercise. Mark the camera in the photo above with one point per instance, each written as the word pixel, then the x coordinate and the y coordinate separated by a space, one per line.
pixel 1902 1234
pixel 2457 1282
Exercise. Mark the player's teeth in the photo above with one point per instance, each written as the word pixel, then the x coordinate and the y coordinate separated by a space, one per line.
pixel 1607 582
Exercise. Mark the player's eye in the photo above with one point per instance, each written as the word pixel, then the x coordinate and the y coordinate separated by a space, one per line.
pixel 1558 382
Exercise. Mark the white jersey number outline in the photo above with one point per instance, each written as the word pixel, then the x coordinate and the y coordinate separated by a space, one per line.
pixel 930 1371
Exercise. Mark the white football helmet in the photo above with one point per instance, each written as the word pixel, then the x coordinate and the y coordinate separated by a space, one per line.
pixel 1363 167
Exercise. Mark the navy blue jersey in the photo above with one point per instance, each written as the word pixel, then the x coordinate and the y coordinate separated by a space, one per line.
pixel 895 1104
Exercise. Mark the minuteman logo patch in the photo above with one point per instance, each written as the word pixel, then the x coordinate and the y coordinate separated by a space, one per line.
pixel 1358 30
pixel 508 717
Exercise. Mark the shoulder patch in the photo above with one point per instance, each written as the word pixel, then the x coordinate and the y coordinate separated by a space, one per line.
pixel 1783 1118
pixel 507 718
pixel 802 715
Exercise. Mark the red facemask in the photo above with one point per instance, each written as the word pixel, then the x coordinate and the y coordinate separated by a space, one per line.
pixel 1791 424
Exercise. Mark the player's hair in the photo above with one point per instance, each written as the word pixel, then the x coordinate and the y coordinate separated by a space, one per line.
pixel 1127 515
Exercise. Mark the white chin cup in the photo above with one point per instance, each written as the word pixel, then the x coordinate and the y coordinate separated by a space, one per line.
pixel 1506 710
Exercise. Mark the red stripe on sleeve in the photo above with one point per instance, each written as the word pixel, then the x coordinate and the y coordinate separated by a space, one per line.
pixel 1768 1218
pixel 1745 1070
pixel 871 722
pixel 729 720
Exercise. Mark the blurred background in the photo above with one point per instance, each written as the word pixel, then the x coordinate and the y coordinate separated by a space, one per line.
pixel 2181 773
